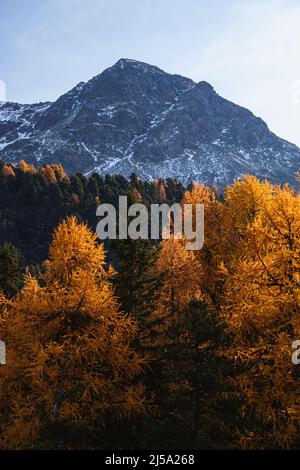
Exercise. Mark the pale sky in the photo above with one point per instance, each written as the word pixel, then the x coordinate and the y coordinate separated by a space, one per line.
pixel 248 50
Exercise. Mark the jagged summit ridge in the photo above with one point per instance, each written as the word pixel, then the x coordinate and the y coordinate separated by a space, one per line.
pixel 134 117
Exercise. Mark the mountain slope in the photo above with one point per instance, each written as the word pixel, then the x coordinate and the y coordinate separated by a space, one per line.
pixel 134 117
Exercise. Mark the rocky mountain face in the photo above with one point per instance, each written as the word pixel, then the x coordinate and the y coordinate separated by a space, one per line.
pixel 135 118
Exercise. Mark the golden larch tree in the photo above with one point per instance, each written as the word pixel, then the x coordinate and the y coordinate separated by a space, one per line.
pixel 69 353
pixel 261 305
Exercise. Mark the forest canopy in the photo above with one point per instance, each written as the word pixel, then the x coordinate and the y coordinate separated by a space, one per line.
pixel 140 344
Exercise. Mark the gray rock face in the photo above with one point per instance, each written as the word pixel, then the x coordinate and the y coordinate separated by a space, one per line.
pixel 134 117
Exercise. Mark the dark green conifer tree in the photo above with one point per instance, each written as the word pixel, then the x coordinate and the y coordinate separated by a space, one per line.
pixel 11 272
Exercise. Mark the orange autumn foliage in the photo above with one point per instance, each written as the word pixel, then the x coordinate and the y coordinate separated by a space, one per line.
pixel 69 353
pixel 261 304
pixel 7 170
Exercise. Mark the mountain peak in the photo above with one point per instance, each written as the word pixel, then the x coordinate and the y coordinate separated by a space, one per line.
pixel 205 86
pixel 134 117
pixel 138 65
pixel 125 61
